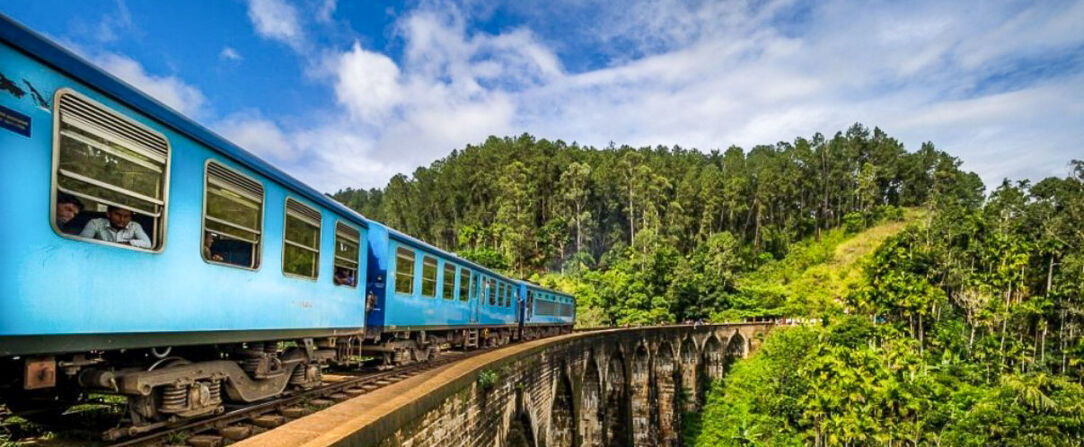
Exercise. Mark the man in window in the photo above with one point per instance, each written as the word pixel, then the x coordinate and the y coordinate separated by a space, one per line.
pixel 67 207
pixel 117 226
pixel 343 277
pixel 209 250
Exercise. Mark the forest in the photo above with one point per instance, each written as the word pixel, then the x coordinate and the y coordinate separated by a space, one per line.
pixel 961 326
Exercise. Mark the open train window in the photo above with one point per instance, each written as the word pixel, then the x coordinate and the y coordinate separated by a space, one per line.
pixel 491 290
pixel 404 271
pixel 429 276
pixel 508 295
pixel 464 284
pixel 110 176
pixel 500 294
pixel 232 217
pixel 301 237
pixel 347 241
pixel 449 281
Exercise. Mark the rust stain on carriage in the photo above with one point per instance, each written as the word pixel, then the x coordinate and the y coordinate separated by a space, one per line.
pixel 40 372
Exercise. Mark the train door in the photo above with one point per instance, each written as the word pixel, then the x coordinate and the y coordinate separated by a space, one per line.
pixel 476 298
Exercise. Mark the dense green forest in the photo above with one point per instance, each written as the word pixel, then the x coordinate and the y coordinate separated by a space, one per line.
pixel 657 234
pixel 958 322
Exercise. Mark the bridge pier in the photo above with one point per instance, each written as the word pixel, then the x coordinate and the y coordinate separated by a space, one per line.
pixel 606 388
pixel 591 405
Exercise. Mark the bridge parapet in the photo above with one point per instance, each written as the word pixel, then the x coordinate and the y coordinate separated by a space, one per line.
pixel 586 388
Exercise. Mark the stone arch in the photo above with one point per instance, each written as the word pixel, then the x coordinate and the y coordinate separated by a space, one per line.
pixel 642 398
pixel 615 411
pixel 562 415
pixel 689 365
pixel 668 384
pixel 521 429
pixel 591 405
pixel 735 350
pixel 711 364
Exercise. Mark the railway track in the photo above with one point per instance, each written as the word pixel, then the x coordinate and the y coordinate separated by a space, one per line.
pixel 239 423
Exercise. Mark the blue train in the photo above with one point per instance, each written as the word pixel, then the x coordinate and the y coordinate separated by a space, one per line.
pixel 156 260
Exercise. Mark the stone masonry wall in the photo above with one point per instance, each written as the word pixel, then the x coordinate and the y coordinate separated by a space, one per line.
pixel 615 388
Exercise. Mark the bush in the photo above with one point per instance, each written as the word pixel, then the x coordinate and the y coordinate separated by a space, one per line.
pixel 487 379
pixel 854 222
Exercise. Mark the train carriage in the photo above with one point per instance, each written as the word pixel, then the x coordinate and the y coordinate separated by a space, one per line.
pixel 546 312
pixel 209 245
pixel 424 298
pixel 150 258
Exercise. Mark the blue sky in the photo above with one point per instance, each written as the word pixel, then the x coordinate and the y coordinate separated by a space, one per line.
pixel 351 93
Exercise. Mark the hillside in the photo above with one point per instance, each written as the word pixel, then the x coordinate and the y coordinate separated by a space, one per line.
pixel 816 275
pixel 961 329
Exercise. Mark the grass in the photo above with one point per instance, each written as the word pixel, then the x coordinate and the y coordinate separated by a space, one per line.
pixel 816 275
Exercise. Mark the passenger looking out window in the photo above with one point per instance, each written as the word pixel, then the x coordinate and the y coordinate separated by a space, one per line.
pixel 117 227
pixel 67 207
pixel 347 240
pixel 110 162
pixel 210 252
pixel 344 277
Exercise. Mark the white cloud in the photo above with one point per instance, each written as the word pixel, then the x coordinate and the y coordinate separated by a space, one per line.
pixel 367 84
pixel 260 136
pixel 170 90
pixel 276 20
pixel 325 11
pixel 704 75
pixel 229 53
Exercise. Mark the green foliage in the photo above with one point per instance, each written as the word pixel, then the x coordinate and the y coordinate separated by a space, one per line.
pixel 854 222
pixel 964 331
pixel 487 379
pixel 539 203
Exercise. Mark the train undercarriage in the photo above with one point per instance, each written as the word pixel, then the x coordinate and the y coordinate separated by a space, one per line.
pixel 165 386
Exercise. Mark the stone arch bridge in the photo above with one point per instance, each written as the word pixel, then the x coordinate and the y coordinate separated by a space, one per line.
pixel 615 387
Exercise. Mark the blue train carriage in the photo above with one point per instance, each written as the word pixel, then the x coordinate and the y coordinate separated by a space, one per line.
pixel 151 258
pixel 546 312
pixel 424 300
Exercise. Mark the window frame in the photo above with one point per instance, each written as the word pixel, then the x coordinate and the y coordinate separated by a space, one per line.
pixel 436 275
pixel 319 236
pixel 464 284
pixel 491 287
pixel 335 255
pixel 446 286
pixel 413 270
pixel 55 180
pixel 258 255
pixel 473 290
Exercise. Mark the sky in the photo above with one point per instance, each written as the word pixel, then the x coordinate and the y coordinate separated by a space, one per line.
pixel 349 93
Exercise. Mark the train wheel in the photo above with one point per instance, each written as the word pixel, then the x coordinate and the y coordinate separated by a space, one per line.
pixel 421 354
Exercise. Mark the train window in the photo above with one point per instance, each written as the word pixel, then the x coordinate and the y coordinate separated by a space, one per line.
pixel 112 171
pixel 404 271
pixel 232 217
pixel 464 284
pixel 500 294
pixel 301 237
pixel 508 296
pixel 449 281
pixel 429 276
pixel 347 241
pixel 491 289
